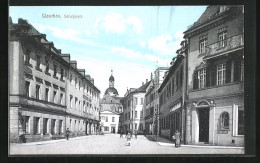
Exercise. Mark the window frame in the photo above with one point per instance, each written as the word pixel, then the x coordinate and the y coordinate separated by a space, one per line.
pixel 221 72
pixel 202 77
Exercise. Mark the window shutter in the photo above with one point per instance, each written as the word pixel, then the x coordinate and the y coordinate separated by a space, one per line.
pixel 213 75
pixel 195 80
pixel 237 69
pixel 228 71
pixel 208 76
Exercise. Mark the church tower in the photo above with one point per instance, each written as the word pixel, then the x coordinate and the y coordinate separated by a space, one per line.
pixel 111 90
pixel 111 80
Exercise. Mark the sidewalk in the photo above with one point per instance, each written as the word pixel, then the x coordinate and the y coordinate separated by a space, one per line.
pixel 51 141
pixel 165 142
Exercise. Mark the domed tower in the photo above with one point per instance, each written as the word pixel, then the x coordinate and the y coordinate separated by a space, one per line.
pixel 111 80
pixel 111 90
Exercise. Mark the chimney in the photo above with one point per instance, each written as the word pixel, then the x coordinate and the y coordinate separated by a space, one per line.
pixel 146 80
pixel 151 76
pixel 142 83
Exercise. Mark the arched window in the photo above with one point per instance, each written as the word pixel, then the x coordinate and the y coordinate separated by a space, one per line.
pixel 223 123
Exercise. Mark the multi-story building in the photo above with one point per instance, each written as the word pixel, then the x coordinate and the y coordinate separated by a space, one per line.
pixel 133 108
pixel 152 101
pixel 37 85
pixel 111 108
pixel 172 100
pixel 82 101
pixel 215 109
pixel 40 88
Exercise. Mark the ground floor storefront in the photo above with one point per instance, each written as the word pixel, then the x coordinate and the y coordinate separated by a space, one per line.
pixel 216 121
pixel 172 122
pixel 32 124
pixel 35 125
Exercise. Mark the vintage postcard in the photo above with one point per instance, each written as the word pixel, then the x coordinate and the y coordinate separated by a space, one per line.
pixel 126 80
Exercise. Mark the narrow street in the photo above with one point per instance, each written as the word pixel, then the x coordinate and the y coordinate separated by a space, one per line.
pixel 111 144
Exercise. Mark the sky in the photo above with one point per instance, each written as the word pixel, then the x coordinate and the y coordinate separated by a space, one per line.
pixel 131 40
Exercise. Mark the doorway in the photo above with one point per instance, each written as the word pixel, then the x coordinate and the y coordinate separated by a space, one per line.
pixel 203 114
pixel 113 129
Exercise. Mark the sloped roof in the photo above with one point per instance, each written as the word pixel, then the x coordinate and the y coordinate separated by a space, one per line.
pixel 143 87
pixel 208 13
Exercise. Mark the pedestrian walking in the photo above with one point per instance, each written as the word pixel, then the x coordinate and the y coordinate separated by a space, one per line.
pixel 135 134
pixel 67 133
pixel 177 139
pixel 128 139
pixel 126 133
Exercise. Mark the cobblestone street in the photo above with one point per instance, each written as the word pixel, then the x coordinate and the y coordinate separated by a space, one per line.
pixel 111 144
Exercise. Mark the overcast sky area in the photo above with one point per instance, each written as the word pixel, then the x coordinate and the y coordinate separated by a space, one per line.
pixel 133 41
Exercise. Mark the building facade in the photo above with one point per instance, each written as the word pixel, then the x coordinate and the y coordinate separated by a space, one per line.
pixel 82 101
pixel 172 99
pixel 215 87
pixel 109 121
pixel 152 101
pixel 38 81
pixel 133 109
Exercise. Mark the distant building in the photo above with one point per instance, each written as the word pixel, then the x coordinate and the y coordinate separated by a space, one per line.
pixel 110 108
pixel 215 108
pixel 40 89
pixel 133 108
pixel 109 121
pixel 152 101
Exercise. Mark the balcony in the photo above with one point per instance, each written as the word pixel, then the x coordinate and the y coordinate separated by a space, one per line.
pixel 222 47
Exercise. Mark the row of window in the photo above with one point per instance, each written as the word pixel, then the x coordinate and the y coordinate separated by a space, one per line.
pixel 55 127
pixel 47 63
pixel 128 115
pixel 77 125
pixel 173 86
pixel 86 89
pixel 203 40
pixel 77 104
pixel 106 118
pixel 220 74
pixel 56 98
pixel 134 101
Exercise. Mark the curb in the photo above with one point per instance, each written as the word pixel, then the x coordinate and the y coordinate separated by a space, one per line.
pixel 50 141
pixel 197 146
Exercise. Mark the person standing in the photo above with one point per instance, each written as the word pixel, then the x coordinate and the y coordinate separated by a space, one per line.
pixel 177 139
pixel 135 134
pixel 67 133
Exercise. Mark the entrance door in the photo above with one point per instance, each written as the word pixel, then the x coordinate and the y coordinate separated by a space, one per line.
pixel 203 125
pixel 113 130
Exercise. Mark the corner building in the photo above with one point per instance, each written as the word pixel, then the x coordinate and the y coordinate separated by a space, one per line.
pixel 37 85
pixel 44 100
pixel 215 108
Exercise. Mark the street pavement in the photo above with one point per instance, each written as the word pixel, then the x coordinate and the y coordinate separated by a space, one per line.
pixel 112 144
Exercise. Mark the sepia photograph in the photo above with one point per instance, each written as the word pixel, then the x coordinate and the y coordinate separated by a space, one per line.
pixel 126 80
